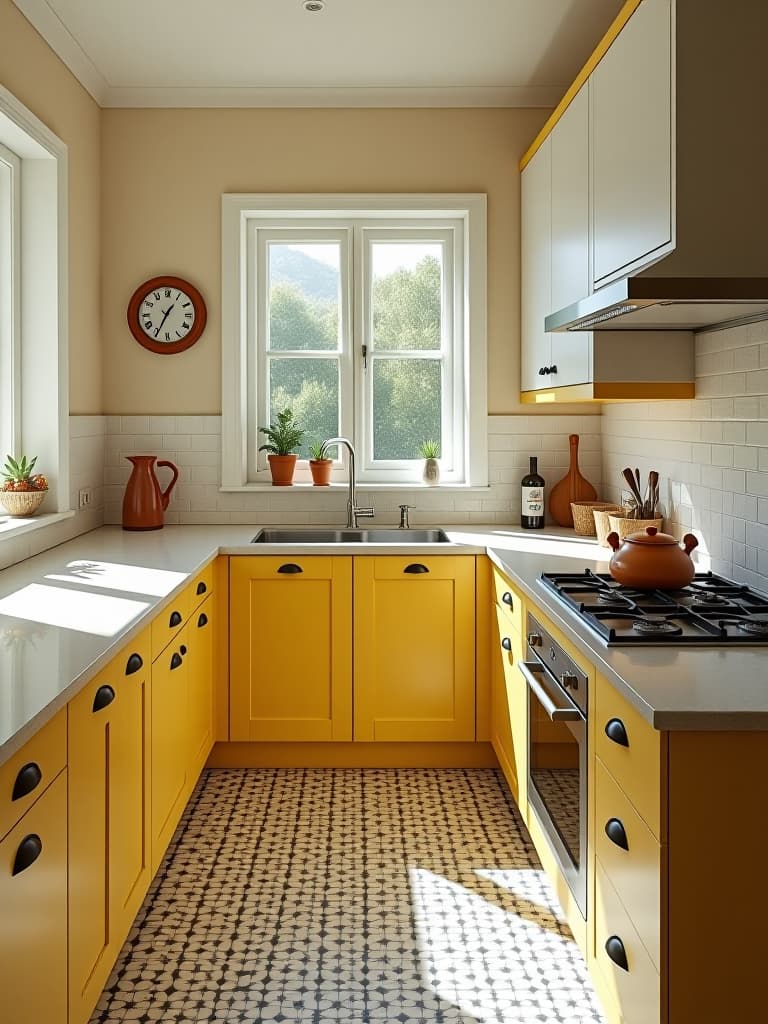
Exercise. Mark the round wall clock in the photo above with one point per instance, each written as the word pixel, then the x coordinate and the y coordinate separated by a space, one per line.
pixel 166 314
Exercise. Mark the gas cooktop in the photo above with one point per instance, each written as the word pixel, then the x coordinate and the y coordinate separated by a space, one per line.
pixel 710 610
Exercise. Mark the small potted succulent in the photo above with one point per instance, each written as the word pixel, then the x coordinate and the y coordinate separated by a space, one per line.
pixel 283 442
pixel 22 492
pixel 319 464
pixel 430 452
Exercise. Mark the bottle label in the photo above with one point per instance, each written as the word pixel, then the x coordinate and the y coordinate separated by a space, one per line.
pixel 533 501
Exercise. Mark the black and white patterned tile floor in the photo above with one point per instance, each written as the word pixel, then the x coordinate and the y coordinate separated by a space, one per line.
pixel 350 895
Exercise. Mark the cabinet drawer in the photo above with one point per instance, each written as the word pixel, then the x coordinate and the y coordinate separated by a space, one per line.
pixel 635 872
pixel 167 624
pixel 200 587
pixel 636 988
pixel 509 599
pixel 633 756
pixel 282 568
pixel 418 566
pixel 27 774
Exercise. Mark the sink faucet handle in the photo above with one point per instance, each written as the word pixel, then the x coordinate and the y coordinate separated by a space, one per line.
pixel 404 524
pixel 366 513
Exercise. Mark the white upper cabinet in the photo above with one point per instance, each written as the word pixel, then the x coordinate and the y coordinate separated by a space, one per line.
pixel 631 95
pixel 536 267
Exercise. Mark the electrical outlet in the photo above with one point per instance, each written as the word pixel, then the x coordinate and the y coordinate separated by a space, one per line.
pixel 86 496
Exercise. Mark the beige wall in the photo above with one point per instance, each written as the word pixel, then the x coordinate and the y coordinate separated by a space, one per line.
pixel 31 71
pixel 163 175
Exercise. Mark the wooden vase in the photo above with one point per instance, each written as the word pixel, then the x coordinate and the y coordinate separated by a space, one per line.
pixel 573 487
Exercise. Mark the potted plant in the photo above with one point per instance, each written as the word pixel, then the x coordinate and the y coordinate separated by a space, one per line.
pixel 319 464
pixel 430 452
pixel 22 493
pixel 283 442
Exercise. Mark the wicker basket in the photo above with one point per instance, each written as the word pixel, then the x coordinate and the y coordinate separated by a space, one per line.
pixel 584 515
pixel 624 526
pixel 600 519
pixel 22 503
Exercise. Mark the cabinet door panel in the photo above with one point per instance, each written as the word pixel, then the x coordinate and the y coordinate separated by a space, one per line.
pixel 291 649
pixel 33 936
pixel 201 628
pixel 535 269
pixel 632 143
pixel 414 649
pixel 513 703
pixel 169 743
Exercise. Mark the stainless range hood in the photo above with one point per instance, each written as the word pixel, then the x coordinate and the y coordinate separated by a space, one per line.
pixel 666 303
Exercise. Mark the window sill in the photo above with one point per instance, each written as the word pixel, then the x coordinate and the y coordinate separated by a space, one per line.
pixel 414 485
pixel 12 527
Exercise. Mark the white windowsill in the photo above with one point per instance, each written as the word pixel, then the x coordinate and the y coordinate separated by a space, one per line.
pixel 14 526
pixel 414 485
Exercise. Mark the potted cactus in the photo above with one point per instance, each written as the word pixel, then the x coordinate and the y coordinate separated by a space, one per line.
pixel 22 492
pixel 284 439
pixel 319 464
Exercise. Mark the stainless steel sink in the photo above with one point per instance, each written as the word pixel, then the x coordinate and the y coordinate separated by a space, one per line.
pixel 323 536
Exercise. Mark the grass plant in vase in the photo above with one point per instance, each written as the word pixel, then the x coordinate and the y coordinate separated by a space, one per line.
pixel 284 439
pixel 319 464
pixel 430 452
pixel 22 492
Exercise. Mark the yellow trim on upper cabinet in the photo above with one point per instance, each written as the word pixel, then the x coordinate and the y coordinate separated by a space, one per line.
pixel 598 53
pixel 615 391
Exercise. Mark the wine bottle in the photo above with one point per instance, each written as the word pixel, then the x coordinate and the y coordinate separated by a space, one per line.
pixel 532 486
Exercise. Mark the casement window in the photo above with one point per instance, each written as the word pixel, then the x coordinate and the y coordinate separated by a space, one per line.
pixel 366 317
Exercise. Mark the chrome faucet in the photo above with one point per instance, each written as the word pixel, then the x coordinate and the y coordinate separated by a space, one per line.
pixel 404 524
pixel 353 510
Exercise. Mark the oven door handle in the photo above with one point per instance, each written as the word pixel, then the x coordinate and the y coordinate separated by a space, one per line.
pixel 558 706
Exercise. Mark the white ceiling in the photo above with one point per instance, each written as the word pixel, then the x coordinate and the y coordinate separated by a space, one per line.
pixel 355 53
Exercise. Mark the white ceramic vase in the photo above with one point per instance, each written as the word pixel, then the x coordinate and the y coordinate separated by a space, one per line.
pixel 431 474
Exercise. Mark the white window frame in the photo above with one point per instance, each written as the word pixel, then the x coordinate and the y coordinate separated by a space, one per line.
pixel 10 300
pixel 39 339
pixel 244 214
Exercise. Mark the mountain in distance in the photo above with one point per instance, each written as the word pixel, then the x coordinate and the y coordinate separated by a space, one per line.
pixel 317 280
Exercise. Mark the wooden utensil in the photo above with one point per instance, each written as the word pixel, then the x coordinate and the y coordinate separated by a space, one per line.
pixel 652 495
pixel 573 487
pixel 629 476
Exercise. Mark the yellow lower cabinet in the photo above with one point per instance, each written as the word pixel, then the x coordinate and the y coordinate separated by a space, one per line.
pixel 169 743
pixel 109 867
pixel 414 648
pixel 291 648
pixel 510 710
pixel 200 687
pixel 33 912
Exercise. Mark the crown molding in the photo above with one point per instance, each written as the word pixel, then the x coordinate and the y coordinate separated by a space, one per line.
pixel 53 30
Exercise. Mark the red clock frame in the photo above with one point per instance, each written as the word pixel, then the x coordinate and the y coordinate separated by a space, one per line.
pixel 154 284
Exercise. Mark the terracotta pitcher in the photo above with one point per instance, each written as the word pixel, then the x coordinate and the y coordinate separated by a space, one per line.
pixel 144 502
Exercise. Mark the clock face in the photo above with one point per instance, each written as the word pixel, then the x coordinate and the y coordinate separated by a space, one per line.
pixel 166 315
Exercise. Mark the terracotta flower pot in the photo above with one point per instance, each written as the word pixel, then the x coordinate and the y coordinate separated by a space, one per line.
pixel 321 471
pixel 282 468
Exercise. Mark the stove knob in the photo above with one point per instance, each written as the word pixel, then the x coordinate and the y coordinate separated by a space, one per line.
pixel 534 640
pixel 569 680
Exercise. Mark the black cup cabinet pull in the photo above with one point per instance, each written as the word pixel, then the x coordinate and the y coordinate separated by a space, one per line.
pixel 104 697
pixel 175 619
pixel 202 621
pixel 290 569
pixel 29 778
pixel 614 947
pixel 133 664
pixel 506 643
pixel 415 569
pixel 201 588
pixel 29 850
pixel 506 597
pixel 616 730
pixel 616 832
pixel 176 660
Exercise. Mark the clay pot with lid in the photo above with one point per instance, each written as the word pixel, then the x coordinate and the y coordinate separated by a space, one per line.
pixel 649 560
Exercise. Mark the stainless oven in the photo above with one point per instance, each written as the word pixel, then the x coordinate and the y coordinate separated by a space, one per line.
pixel 557 753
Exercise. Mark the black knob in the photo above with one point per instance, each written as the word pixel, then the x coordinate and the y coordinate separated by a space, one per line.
pixel 616 832
pixel 28 778
pixel 201 588
pixel 290 569
pixel 175 619
pixel 506 597
pixel 534 640
pixel 569 680
pixel 202 620
pixel 616 731
pixel 176 660
pixel 29 850
pixel 183 649
pixel 542 370
pixel 614 947
pixel 553 369
pixel 415 568
pixel 506 643
pixel 133 664
pixel 104 697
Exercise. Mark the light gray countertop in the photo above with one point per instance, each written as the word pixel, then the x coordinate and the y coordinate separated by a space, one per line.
pixel 65 613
